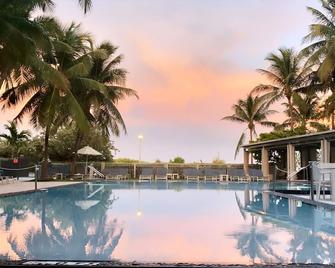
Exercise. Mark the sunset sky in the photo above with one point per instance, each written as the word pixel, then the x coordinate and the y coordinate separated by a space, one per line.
pixel 189 60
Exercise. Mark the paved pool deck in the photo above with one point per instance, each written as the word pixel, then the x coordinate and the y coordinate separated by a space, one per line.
pixel 89 264
pixel 29 186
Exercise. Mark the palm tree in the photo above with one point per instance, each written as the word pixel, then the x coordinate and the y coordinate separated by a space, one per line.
pixel 44 100
pixel 251 111
pixel 322 35
pixel 256 244
pixel 286 74
pixel 320 53
pixel 100 105
pixel 15 138
pixel 22 39
pixel 305 113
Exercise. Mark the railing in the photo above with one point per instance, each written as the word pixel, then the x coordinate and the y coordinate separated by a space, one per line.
pixel 93 171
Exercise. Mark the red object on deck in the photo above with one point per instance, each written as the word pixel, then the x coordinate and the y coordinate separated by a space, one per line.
pixel 15 161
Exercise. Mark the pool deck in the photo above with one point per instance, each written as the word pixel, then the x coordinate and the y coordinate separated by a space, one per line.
pixel 29 186
pixel 154 264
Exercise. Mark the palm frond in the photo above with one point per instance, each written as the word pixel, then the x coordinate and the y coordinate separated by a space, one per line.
pixel 239 144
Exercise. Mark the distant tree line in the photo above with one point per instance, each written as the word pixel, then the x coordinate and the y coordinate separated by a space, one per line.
pixel 61 146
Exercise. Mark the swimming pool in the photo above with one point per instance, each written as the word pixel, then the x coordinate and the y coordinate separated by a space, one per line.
pixel 233 223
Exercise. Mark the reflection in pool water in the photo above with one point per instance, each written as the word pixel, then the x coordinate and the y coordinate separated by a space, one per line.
pixel 169 222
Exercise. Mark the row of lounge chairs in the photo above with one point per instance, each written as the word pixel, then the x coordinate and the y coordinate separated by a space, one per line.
pixel 7 179
pixel 189 174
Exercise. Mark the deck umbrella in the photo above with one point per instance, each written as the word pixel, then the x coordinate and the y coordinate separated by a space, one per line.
pixel 87 150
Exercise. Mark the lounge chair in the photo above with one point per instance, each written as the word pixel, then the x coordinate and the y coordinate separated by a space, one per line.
pixel 213 174
pixel 7 179
pixel 256 175
pixel 192 174
pixel 237 175
pixel 78 176
pixel 321 181
pixel 117 173
pixel 171 175
pixel 161 174
pixel 147 174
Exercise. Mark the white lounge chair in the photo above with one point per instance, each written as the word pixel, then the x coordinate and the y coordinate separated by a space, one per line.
pixel 213 174
pixel 7 179
pixel 117 173
pixel 237 175
pixel 161 174
pixel 147 174
pixel 192 174
pixel 321 181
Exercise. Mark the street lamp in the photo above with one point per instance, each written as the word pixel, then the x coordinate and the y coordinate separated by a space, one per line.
pixel 140 139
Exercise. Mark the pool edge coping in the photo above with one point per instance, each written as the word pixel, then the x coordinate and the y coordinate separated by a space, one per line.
pixel 39 189
pixel 304 200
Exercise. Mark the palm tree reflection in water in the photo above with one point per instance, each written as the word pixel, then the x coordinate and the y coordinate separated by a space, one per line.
pixel 254 241
pixel 73 233
pixel 312 232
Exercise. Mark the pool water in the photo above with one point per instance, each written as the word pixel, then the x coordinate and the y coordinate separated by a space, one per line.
pixel 233 223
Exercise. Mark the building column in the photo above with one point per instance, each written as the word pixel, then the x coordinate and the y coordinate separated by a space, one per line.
pixel 246 163
pixel 304 156
pixel 265 163
pixel 325 151
pixel 290 161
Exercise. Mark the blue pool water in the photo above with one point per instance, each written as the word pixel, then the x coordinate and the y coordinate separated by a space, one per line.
pixel 232 223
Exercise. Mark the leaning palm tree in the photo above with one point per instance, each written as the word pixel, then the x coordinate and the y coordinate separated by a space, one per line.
pixel 251 111
pixel 45 101
pixel 15 137
pixel 286 74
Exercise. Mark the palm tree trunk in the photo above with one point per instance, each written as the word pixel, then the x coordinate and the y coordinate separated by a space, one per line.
pixel 250 140
pixel 44 168
pixel 290 112
pixel 79 138
pixel 250 135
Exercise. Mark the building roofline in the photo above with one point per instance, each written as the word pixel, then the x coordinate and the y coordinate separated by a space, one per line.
pixel 306 138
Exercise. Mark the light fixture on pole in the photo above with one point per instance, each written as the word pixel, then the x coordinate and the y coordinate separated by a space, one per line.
pixel 140 139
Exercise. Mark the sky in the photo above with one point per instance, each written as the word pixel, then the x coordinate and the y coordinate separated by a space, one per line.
pixel 190 61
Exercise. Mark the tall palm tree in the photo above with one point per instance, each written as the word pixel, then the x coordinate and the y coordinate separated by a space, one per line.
pixel 100 104
pixel 286 74
pixel 321 51
pixel 70 56
pixel 21 40
pixel 251 111
pixel 15 138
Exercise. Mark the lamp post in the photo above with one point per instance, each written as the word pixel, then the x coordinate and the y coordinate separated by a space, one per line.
pixel 140 139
